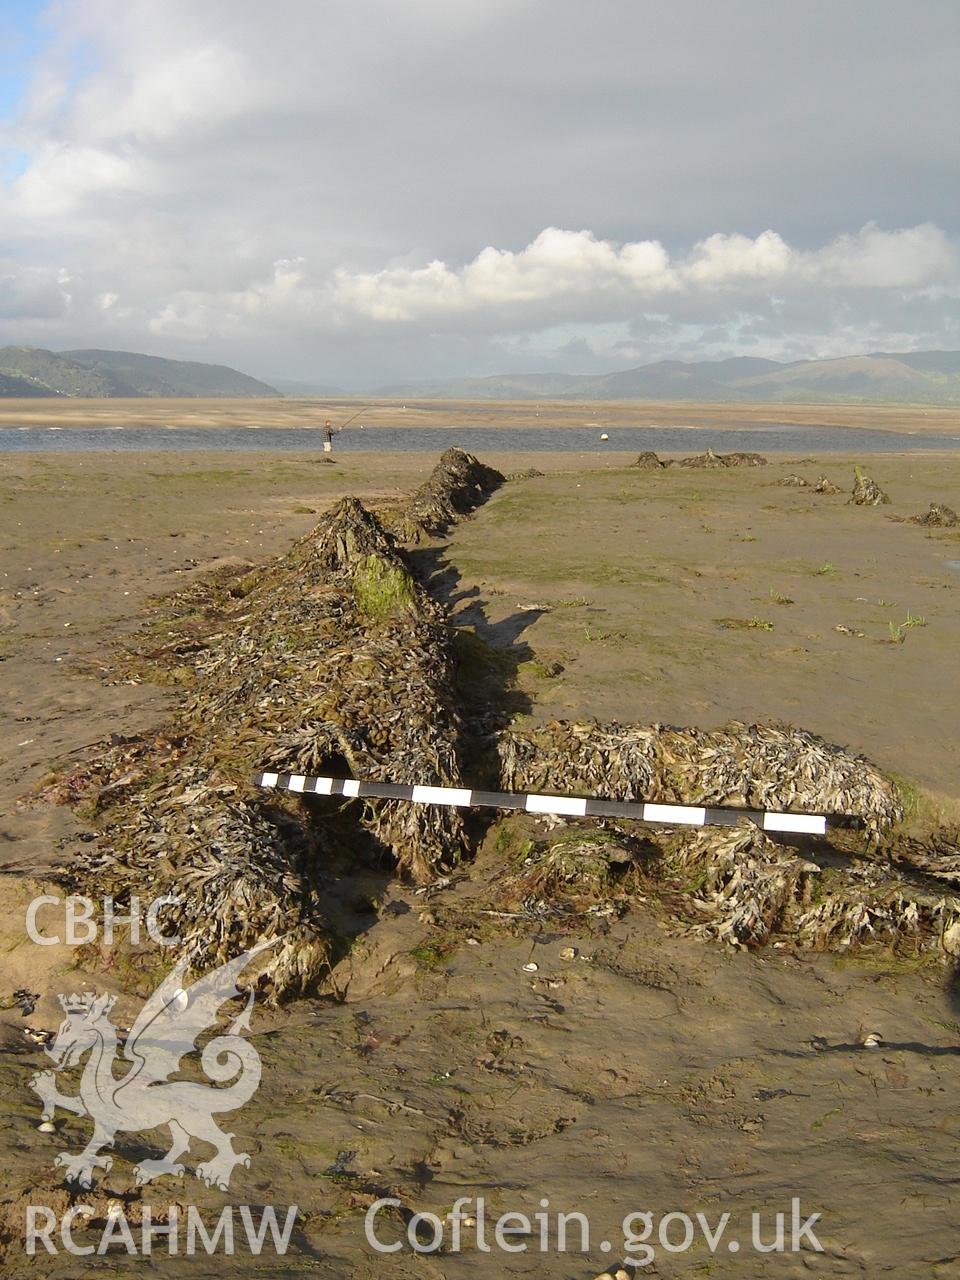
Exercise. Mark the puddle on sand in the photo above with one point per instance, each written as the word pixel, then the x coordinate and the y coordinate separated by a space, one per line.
pixel 953 564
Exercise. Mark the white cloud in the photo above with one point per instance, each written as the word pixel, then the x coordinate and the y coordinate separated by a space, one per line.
pixel 724 259
pixel 65 179
pixel 557 266
pixel 734 290
pixel 906 259
pixel 575 268
pixel 190 92
pixel 561 262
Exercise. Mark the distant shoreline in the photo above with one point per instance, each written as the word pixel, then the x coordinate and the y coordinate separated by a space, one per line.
pixel 290 413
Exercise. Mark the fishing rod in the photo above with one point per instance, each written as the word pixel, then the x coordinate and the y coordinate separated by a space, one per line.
pixel 343 426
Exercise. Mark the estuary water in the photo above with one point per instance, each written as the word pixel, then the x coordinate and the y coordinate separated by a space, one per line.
pixel 771 438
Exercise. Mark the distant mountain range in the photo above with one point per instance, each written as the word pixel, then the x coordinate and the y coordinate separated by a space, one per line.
pixel 924 377
pixel 32 371
pixel 916 377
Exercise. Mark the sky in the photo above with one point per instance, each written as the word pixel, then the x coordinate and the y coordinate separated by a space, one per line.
pixel 381 191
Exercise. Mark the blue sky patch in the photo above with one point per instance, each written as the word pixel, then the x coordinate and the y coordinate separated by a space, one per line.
pixel 23 38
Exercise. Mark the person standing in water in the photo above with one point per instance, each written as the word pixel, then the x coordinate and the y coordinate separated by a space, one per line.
pixel 329 430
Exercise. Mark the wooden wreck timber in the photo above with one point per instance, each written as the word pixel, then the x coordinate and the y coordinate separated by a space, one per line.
pixel 331 652
pixel 457 485
pixel 758 767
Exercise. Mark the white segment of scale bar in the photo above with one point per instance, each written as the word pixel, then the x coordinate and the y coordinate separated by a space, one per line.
pixel 557 804
pixel 798 822
pixel 674 813
pixel 442 795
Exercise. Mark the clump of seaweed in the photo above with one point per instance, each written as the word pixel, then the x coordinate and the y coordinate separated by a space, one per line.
pixel 382 589
pixel 940 516
pixel 742 886
pixel 866 492
pixel 755 623
pixel 749 887
pixel 456 486
pixel 890 912
pixel 584 870
pixel 757 766
pixel 582 864
pixel 936 856
pixel 741 459
pixel 716 460
pixel 821 485
pixel 649 461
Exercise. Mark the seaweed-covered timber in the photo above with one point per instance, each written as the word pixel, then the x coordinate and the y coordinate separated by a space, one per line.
pixel 650 461
pixel 741 886
pixel 376 682
pixel 457 485
pixel 897 892
pixel 822 485
pixel 940 516
pixel 751 886
pixel 761 766
pixel 866 492
pixel 331 654
pixel 717 460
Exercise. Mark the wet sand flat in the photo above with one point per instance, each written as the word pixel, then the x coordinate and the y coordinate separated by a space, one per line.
pixel 651 1072
pixel 289 412
pixel 622 576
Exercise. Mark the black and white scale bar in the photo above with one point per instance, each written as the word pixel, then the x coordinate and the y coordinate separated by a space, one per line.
pixel 567 806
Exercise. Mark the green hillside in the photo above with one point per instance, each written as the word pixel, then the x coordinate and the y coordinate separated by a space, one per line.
pixel 34 371
pixel 155 376
pixel 51 374
pixel 11 385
